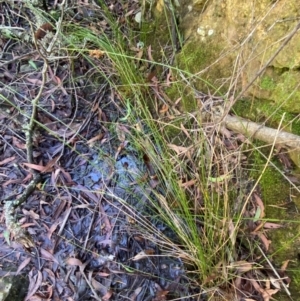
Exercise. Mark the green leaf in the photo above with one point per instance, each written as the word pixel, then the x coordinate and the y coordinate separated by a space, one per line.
pixel 128 110
pixel 257 214
pixel 32 64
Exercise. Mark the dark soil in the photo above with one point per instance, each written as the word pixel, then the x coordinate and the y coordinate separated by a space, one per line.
pixel 89 214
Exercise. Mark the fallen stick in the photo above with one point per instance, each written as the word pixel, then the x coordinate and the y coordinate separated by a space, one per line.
pixel 261 132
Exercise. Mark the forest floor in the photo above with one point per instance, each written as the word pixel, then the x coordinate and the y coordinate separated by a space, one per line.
pixel 92 222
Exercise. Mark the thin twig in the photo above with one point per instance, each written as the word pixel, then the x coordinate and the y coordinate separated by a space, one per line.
pixel 20 57
pixel 12 225
pixel 275 272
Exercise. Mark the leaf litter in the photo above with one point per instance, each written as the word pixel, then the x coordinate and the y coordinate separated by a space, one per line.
pixel 89 215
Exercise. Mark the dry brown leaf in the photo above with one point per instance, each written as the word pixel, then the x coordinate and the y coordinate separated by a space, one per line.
pixel 98 286
pixel 135 293
pixel 275 282
pixel 81 206
pixel 107 296
pixel 169 79
pixel 150 57
pixel 120 133
pixel 52 228
pixel 238 282
pixel 74 261
pixel 225 132
pixel 30 213
pixel 266 294
pixel 50 164
pixel 69 131
pixel 139 54
pixel 34 283
pixel 42 30
pixel 232 234
pixel 106 242
pixel 179 149
pixel 96 53
pixel 139 238
pixel 26 225
pixel 34 81
pixel 67 176
pixel 47 255
pixel 255 285
pixel 263 239
pixel 268 225
pixel 8 182
pixel 164 109
pixel 7 160
pixel 188 183
pixel 23 264
pixel 120 148
pixel 149 252
pixel 139 256
pixel 51 276
pixel 34 166
pixel 54 177
pixel 259 203
pixel 37 298
pixel 185 131
pixel 260 225
pixel 129 13
pixel 102 274
pixel 241 266
pixel 95 138
pixel 161 295
pixel 17 143
pixel 27 178
pixel 153 182
pixel 151 77
pixel 284 265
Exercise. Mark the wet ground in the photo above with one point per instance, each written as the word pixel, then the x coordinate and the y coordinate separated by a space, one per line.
pixel 94 217
pixel 86 209
pixel 90 214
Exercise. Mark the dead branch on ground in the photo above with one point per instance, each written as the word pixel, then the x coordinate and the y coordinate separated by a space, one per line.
pixel 261 132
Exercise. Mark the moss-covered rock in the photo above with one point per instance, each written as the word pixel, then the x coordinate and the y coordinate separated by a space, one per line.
pixel 230 41
pixel 282 209
pixel 13 288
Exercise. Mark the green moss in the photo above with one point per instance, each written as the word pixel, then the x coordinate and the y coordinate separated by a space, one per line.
pixel 173 133
pixel 275 194
pixel 285 246
pixel 195 58
pixel 282 87
pixel 262 110
pixel 287 92
pixel 187 103
pixel 156 33
pixel 286 243
pixel 267 83
pixel 275 189
pixel 192 58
